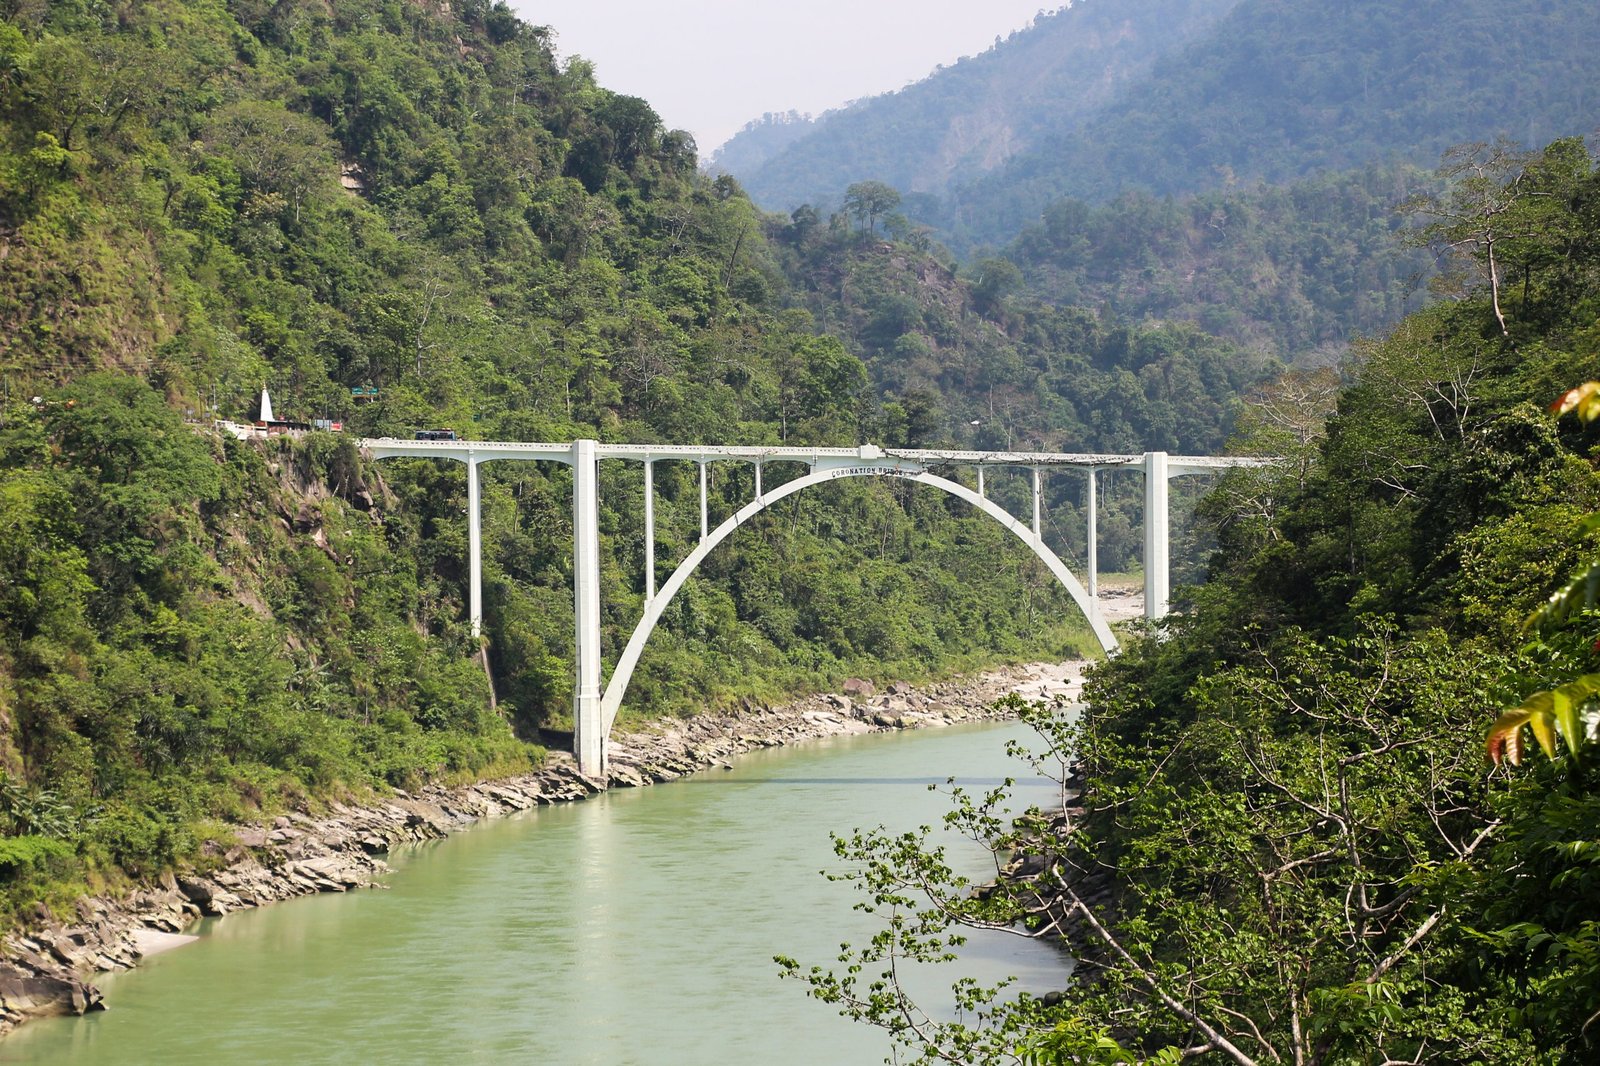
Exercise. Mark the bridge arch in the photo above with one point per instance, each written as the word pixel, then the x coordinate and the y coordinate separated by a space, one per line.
pixel 594 706
pixel 617 686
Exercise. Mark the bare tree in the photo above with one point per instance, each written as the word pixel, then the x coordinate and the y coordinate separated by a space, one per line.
pixel 1489 202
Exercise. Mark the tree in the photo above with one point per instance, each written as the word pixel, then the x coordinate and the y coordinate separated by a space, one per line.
pixel 1498 201
pixel 635 128
pixel 996 279
pixel 1284 419
pixel 1262 909
pixel 866 200
pixel 281 156
pixel 803 220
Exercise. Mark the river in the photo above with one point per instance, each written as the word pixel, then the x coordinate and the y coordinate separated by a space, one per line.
pixel 637 927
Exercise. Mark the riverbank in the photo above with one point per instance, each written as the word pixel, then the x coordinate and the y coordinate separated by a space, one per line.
pixel 50 970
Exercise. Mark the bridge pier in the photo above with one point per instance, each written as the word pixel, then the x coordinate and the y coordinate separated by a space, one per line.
pixel 1038 500
pixel 1157 554
pixel 1092 551
pixel 474 550
pixel 704 514
pixel 649 530
pixel 588 725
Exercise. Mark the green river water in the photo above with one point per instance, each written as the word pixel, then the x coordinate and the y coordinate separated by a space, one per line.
pixel 638 927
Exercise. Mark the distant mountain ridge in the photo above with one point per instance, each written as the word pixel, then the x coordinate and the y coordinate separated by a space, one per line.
pixel 760 140
pixel 1190 96
pixel 969 118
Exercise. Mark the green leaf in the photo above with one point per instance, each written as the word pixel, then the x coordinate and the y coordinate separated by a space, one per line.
pixel 1570 700
pixel 1541 707
pixel 1582 590
pixel 1544 713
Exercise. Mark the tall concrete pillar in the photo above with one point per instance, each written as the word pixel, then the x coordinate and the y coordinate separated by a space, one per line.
pixel 1038 495
pixel 1093 553
pixel 704 527
pixel 588 725
pixel 474 549
pixel 1156 548
pixel 980 482
pixel 649 530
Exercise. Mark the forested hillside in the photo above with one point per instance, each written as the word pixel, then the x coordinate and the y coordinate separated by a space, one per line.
pixel 408 216
pixel 1357 881
pixel 1284 89
pixel 1240 167
pixel 1293 846
pixel 1297 270
pixel 968 118
pixel 1175 98
pixel 968 351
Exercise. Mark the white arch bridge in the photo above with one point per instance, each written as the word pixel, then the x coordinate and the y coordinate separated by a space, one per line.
pixel 595 709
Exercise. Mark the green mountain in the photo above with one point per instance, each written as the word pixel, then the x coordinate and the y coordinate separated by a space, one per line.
pixel 1174 98
pixel 969 118
pixel 1284 89
pixel 969 355
pixel 1318 713
pixel 759 141
pixel 1238 167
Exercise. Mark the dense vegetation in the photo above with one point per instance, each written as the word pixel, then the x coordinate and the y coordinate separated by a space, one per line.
pixel 1297 270
pixel 1313 859
pixel 198 198
pixel 1288 272
pixel 172 657
pixel 1314 863
pixel 1282 90
pixel 1175 97
pixel 1235 166
pixel 968 355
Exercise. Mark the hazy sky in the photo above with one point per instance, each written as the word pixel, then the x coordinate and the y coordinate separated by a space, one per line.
pixel 710 66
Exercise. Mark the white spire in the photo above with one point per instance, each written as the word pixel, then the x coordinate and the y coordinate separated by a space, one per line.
pixel 266 405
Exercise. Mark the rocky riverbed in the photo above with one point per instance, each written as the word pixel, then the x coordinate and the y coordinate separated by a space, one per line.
pixel 50 969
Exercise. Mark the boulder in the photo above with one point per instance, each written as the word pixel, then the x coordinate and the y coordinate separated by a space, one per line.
pixel 195 890
pixel 91 908
pixel 37 995
pixel 626 776
pixel 70 950
pixel 858 688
